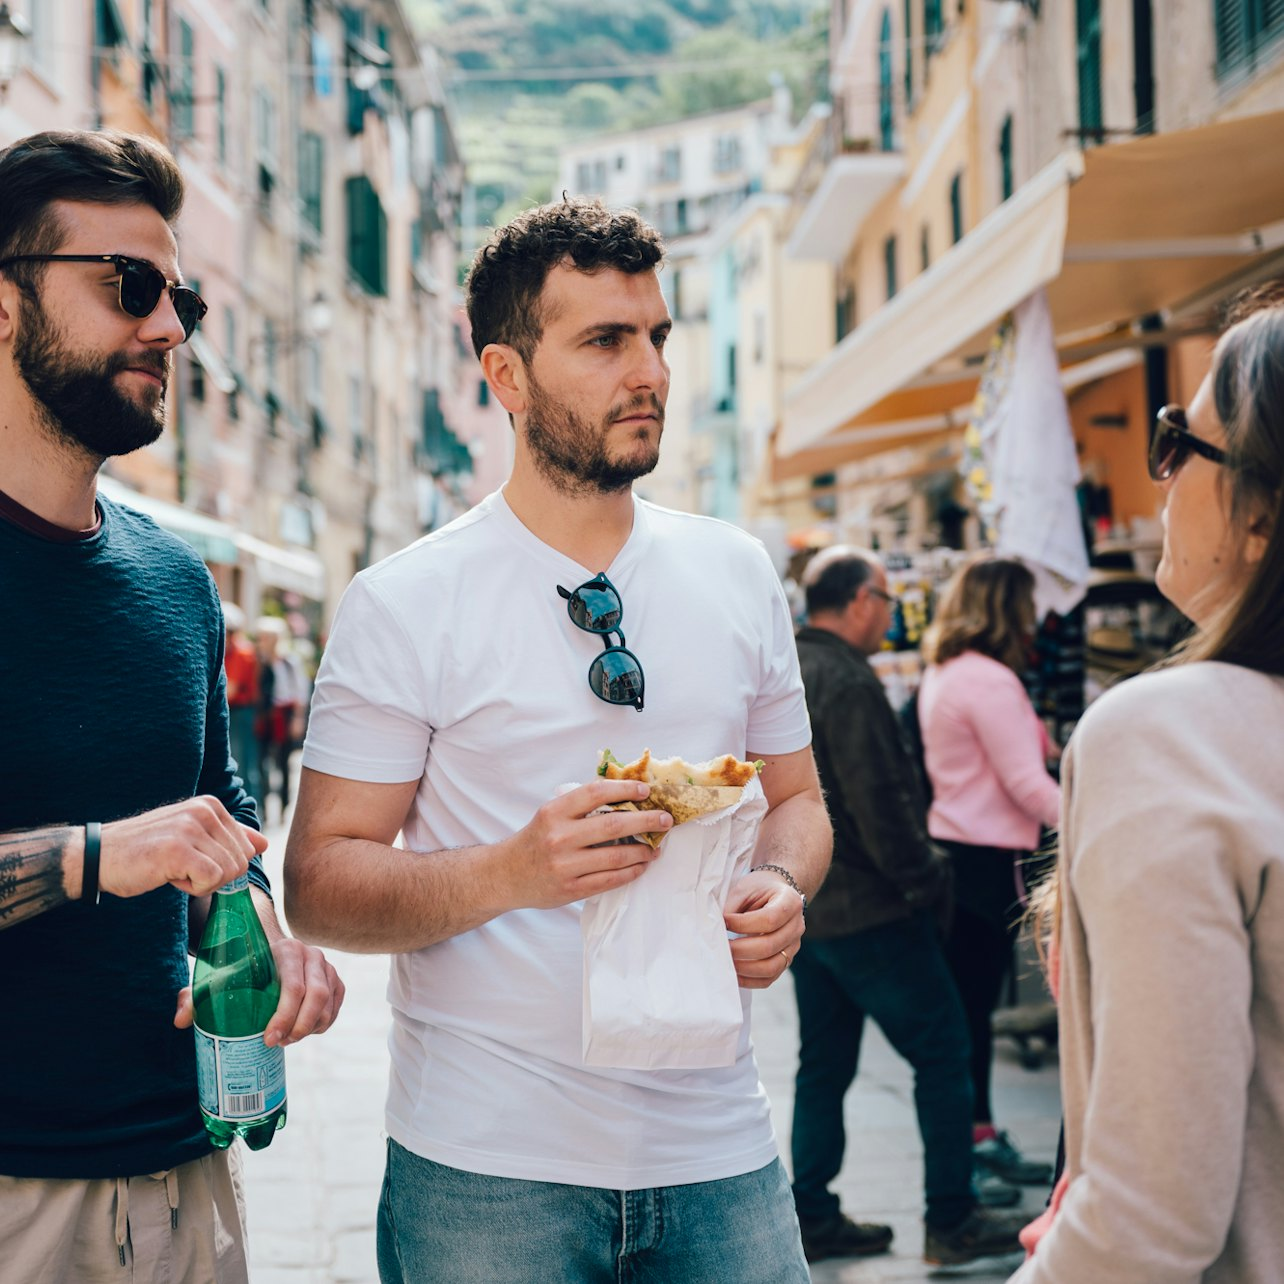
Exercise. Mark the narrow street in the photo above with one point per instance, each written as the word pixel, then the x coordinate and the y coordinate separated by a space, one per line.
pixel 312 1194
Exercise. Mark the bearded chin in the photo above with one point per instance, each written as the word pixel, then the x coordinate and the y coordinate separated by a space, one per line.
pixel 572 456
pixel 80 400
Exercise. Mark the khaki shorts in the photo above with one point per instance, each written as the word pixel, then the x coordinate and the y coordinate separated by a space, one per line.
pixel 183 1226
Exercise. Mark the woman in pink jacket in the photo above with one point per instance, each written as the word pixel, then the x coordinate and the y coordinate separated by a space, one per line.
pixel 985 751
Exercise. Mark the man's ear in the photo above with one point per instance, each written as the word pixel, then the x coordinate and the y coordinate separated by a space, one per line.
pixel 9 302
pixel 505 371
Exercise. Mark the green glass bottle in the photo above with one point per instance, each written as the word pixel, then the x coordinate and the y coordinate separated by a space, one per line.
pixel 235 990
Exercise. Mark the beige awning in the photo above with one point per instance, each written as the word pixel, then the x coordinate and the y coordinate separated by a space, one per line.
pixel 295 569
pixel 1163 224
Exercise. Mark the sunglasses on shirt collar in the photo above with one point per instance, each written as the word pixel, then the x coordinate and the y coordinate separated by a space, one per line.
pixel 616 675
pixel 140 286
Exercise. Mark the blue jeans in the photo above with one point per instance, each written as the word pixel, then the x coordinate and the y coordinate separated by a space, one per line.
pixel 439 1225
pixel 897 974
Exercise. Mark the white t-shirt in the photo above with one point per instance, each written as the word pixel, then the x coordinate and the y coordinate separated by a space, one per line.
pixel 456 655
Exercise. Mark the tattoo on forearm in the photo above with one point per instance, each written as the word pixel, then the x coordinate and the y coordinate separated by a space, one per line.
pixel 31 873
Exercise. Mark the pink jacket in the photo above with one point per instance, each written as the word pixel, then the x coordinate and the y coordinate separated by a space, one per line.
pixel 985 749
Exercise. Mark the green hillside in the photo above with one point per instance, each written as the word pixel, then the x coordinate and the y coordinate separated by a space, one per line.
pixel 528 75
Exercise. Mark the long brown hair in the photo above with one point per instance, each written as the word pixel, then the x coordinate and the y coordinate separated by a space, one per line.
pixel 1248 392
pixel 988 607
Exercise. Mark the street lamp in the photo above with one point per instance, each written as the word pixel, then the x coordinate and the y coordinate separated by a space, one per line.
pixel 318 317
pixel 14 32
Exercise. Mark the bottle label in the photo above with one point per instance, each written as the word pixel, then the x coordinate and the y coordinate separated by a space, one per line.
pixel 238 884
pixel 238 1079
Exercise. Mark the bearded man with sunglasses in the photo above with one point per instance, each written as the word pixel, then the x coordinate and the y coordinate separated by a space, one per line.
pixel 120 809
pixel 452 705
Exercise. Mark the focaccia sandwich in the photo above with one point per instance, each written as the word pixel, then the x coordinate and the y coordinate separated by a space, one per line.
pixel 685 790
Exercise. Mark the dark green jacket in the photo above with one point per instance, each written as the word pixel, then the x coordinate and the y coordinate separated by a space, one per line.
pixel 885 866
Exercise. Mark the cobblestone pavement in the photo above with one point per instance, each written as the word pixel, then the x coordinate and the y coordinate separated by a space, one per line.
pixel 312 1193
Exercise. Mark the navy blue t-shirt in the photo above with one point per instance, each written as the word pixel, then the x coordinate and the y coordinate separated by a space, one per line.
pixel 112 702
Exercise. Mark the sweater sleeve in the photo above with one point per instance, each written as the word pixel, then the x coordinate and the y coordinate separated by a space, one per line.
pixel 1013 742
pixel 1158 1048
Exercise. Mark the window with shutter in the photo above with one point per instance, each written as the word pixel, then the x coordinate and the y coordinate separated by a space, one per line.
pixel 358 94
pixel 1230 22
pixel 889 265
pixel 311 170
pixel 956 207
pixel 220 114
pixel 909 55
pixel 1088 33
pixel 933 26
pixel 183 95
pixel 367 236
pixel 886 116
pixel 1005 158
pixel 1243 27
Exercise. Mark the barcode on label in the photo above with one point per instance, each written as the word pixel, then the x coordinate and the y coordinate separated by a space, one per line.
pixel 245 1103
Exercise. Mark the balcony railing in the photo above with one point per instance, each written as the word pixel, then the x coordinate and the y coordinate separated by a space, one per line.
pixel 830 142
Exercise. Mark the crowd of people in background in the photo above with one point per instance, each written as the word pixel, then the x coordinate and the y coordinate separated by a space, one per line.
pixel 269 690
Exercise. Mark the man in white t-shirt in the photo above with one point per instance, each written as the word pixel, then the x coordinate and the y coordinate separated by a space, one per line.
pixel 452 705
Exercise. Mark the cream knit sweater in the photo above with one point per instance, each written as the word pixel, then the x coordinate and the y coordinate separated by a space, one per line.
pixel 1172 985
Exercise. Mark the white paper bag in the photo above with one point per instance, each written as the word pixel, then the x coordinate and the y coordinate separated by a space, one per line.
pixel 660 989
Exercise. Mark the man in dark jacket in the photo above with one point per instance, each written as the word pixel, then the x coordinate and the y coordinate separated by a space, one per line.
pixel 872 947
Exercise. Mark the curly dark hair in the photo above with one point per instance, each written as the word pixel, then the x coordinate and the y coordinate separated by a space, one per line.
pixel 105 167
pixel 508 273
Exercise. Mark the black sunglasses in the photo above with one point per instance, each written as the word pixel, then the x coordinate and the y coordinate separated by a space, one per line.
pixel 1172 443
pixel 141 285
pixel 616 675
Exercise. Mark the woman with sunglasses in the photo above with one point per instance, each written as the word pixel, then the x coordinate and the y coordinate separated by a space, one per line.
pixel 985 750
pixel 1171 882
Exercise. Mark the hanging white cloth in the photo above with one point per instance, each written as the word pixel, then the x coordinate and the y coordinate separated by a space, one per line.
pixel 1036 469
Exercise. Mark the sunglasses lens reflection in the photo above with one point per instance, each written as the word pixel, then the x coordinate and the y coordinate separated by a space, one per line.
pixel 595 608
pixel 141 286
pixel 140 289
pixel 1167 451
pixel 190 309
pixel 616 677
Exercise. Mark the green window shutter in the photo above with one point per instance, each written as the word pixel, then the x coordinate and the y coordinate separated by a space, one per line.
pixel 1088 35
pixel 933 25
pixel 379 261
pixel 1230 21
pixel 354 25
pixel 184 98
pixel 220 113
pixel 886 114
pixel 311 178
pixel 1005 158
pixel 1242 28
pixel 889 265
pixel 367 235
pixel 956 207
pixel 909 55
